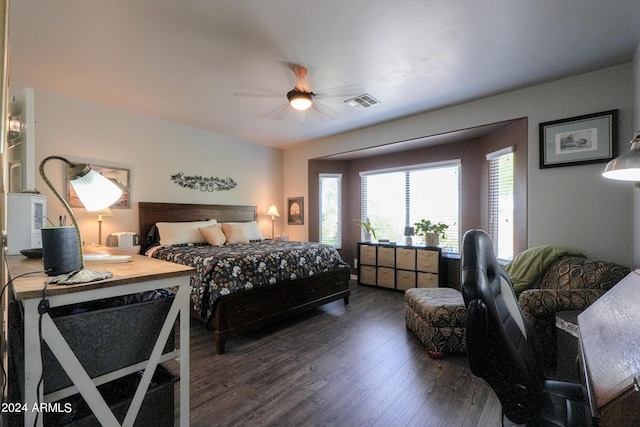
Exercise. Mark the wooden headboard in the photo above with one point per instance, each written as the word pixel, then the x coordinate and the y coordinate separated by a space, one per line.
pixel 150 213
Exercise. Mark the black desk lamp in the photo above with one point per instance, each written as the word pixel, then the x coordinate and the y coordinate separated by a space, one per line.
pixel 62 246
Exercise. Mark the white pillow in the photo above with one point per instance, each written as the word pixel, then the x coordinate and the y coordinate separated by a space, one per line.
pixel 177 233
pixel 251 229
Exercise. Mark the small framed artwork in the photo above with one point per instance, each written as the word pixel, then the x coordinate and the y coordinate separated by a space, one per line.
pixel 295 210
pixel 592 138
pixel 119 176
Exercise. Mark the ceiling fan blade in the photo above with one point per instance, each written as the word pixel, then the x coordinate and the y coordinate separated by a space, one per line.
pixel 279 113
pixel 300 116
pixel 256 93
pixel 286 110
pixel 346 91
pixel 323 112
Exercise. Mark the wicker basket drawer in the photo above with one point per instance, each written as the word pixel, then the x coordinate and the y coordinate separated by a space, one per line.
pixel 406 258
pixel 405 279
pixel 100 329
pixel 387 257
pixel 367 255
pixel 386 277
pixel 367 275
pixel 427 280
pixel 428 261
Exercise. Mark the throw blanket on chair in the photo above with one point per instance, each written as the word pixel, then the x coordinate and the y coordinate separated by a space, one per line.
pixel 527 267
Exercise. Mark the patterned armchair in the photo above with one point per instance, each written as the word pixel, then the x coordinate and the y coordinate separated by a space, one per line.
pixel 570 283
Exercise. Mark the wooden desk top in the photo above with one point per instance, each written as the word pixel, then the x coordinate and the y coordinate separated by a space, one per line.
pixel 139 269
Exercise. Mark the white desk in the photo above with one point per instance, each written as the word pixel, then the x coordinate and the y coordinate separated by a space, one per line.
pixel 140 275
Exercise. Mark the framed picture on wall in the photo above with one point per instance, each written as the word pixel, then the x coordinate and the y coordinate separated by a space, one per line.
pixel 119 176
pixel 295 210
pixel 592 138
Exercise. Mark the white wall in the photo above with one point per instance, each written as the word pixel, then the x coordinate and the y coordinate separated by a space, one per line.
pixel 572 206
pixel 153 150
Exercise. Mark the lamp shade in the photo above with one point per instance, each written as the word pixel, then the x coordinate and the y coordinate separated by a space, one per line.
pixel 100 213
pixel 627 166
pixel 273 211
pixel 95 191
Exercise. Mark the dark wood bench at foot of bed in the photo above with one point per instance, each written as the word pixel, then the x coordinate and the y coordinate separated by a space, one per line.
pixel 245 311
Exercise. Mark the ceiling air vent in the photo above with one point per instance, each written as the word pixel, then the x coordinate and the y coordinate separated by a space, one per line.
pixel 363 101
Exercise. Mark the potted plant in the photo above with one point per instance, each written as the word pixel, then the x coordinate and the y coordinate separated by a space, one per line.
pixel 368 229
pixel 432 232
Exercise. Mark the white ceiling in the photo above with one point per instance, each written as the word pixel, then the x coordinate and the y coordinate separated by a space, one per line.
pixel 183 60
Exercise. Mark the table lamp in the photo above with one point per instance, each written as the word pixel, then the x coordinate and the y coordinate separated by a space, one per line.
pixel 273 211
pixel 408 232
pixel 100 214
pixel 62 246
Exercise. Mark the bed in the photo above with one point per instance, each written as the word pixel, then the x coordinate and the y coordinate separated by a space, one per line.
pixel 237 309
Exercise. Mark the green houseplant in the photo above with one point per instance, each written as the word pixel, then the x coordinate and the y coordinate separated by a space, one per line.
pixel 432 232
pixel 368 229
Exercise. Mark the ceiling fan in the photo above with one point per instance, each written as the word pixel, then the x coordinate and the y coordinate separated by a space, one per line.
pixel 301 98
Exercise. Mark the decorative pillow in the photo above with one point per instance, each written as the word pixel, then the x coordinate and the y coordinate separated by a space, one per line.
pixel 235 233
pixel 251 228
pixel 213 235
pixel 571 272
pixel 177 233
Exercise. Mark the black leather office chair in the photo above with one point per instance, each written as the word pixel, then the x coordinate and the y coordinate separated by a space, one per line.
pixel 502 347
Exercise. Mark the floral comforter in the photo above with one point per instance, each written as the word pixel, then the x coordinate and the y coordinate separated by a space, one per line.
pixel 230 268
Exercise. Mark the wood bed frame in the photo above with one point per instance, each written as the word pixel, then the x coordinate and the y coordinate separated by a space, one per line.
pixel 249 310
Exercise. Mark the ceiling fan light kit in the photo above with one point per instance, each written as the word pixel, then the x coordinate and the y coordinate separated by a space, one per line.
pixel 300 100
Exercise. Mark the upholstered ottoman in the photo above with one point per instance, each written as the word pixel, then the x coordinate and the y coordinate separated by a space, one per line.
pixel 438 317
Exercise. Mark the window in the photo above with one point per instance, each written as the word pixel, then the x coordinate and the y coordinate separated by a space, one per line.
pixel 397 198
pixel 500 227
pixel 330 208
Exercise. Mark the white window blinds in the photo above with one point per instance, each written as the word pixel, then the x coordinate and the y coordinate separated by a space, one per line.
pixel 500 227
pixel 393 199
pixel 330 209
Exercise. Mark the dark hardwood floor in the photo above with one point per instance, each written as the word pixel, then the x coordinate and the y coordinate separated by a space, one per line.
pixel 353 365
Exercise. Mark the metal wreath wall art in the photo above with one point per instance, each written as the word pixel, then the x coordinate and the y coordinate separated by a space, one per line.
pixel 198 182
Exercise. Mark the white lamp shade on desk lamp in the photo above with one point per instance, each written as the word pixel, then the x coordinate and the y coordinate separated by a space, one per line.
pixel 95 191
